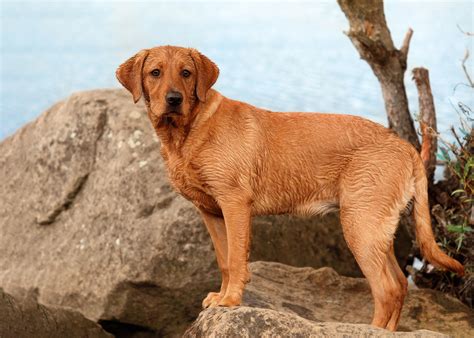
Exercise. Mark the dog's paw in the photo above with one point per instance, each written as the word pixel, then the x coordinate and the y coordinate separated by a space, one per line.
pixel 230 299
pixel 211 300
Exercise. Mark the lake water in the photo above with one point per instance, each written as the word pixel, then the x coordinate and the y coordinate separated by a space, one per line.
pixel 285 56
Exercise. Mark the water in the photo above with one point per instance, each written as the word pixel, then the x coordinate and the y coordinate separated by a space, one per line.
pixel 285 56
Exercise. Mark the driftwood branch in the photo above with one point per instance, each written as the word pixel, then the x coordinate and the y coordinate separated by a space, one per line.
pixel 467 33
pixel 466 56
pixel 371 37
pixel 427 120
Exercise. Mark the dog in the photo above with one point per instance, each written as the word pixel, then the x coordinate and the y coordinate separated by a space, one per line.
pixel 233 161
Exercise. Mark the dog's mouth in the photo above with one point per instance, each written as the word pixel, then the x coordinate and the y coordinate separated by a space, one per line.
pixel 169 118
pixel 173 112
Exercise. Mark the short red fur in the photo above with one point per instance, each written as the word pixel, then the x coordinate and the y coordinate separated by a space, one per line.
pixel 234 161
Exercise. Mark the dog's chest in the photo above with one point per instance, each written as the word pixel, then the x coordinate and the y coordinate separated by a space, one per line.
pixel 185 177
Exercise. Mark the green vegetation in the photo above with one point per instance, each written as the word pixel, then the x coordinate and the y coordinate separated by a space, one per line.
pixel 453 210
pixel 458 158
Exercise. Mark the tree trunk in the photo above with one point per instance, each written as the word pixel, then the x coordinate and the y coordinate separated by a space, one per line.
pixel 371 37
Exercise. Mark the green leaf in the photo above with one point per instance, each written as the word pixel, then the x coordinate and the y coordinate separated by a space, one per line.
pixel 464 132
pixel 459 191
pixel 464 200
pixel 457 169
pixel 443 155
pixel 470 162
pixel 466 169
pixel 459 228
pixel 460 240
pixel 440 157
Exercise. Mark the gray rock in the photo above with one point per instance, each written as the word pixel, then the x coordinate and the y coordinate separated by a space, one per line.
pixel 255 322
pixel 282 300
pixel 26 318
pixel 315 242
pixel 89 220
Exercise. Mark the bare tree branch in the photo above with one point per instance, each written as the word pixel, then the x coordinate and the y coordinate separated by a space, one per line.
pixel 467 33
pixel 406 43
pixel 427 119
pixel 466 56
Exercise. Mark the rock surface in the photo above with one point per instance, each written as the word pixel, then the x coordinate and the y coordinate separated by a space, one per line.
pixel 255 322
pixel 89 221
pixel 25 319
pixel 284 300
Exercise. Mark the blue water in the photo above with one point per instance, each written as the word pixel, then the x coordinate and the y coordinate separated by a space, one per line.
pixel 285 56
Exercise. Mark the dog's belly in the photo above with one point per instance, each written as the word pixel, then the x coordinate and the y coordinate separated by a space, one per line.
pixel 309 208
pixel 316 208
pixel 302 194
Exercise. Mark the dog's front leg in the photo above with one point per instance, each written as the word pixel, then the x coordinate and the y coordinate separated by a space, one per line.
pixel 216 227
pixel 237 216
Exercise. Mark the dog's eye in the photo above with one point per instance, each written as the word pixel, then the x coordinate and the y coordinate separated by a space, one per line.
pixel 155 72
pixel 185 73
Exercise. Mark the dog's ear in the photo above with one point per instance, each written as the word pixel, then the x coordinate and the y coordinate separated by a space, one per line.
pixel 129 74
pixel 207 73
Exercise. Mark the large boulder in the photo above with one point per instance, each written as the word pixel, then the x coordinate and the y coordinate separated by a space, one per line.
pixel 282 300
pixel 26 318
pixel 89 221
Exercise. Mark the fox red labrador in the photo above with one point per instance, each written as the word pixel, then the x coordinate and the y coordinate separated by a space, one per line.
pixel 234 161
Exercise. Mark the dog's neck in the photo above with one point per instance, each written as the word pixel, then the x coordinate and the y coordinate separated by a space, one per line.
pixel 174 134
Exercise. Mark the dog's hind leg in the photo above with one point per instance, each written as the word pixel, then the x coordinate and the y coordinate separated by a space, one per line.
pixel 216 228
pixel 375 187
pixel 370 247
pixel 400 277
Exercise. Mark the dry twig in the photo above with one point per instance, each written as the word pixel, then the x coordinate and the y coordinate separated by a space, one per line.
pixel 466 56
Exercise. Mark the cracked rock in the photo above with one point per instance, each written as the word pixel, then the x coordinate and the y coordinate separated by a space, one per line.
pixel 284 301
pixel 26 318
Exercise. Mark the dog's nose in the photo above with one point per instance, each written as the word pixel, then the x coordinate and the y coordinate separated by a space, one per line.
pixel 174 98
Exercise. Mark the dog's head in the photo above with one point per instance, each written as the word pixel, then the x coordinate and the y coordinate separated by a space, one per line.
pixel 171 79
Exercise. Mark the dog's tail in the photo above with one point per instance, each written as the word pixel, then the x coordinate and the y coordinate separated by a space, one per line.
pixel 424 233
